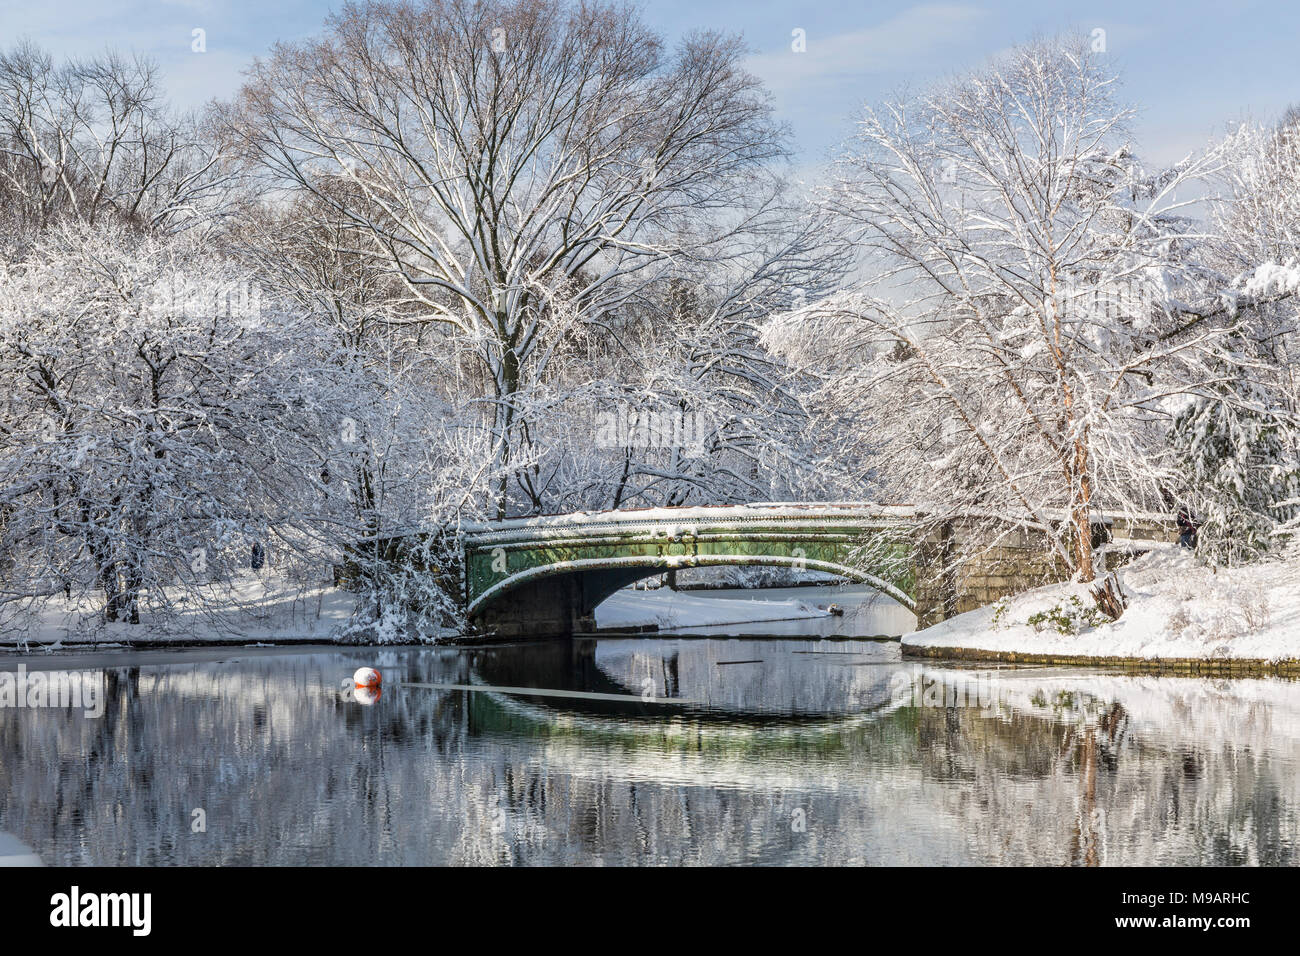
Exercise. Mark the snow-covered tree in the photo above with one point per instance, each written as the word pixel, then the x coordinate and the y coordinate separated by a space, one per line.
pixel 409 454
pixel 1238 454
pixel 507 157
pixel 1239 475
pixel 1032 303
pixel 158 418
pixel 684 404
pixel 93 139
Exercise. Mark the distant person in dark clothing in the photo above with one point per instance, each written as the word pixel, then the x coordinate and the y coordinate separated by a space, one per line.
pixel 1186 528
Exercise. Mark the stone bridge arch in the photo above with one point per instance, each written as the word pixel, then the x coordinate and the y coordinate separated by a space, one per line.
pixel 546 576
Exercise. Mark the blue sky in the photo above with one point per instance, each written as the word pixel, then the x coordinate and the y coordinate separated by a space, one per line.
pixel 1189 66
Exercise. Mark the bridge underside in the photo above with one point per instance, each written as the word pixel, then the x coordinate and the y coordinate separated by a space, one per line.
pixel 559 603
pixel 554 605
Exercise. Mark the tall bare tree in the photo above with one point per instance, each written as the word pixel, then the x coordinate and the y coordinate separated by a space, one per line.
pixel 523 163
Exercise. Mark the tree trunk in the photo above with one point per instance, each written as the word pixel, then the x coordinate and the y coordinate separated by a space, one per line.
pixel 507 387
pixel 112 590
pixel 1082 512
pixel 131 594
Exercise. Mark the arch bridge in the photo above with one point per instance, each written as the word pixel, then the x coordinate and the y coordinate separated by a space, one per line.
pixel 546 575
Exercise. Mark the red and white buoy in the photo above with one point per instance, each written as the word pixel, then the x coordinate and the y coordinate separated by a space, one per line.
pixel 367 685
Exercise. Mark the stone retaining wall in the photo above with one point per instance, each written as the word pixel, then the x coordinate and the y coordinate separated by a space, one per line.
pixel 957 571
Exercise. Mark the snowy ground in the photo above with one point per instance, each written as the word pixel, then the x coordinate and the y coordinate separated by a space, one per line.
pixel 675 609
pixel 1176 610
pixel 255 608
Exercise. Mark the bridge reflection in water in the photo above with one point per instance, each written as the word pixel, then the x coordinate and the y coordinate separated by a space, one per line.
pixel 798 755
pixel 654 679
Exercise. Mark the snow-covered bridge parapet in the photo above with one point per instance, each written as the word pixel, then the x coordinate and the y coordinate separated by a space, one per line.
pixel 545 576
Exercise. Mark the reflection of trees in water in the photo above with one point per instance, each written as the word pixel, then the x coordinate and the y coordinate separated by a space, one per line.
pixel 1078 784
pixel 996 752
pixel 281 765
pixel 288 772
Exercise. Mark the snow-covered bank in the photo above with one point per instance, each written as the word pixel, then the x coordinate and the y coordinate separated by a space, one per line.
pixel 253 608
pixel 676 609
pixel 1176 611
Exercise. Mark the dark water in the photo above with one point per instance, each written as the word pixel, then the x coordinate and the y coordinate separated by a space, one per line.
pixel 769 751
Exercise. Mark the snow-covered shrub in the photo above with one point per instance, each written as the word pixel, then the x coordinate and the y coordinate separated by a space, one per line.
pixel 1000 608
pixel 1068 617
pixel 408 591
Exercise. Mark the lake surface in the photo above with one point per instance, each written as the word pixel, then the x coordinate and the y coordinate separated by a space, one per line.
pixel 774 751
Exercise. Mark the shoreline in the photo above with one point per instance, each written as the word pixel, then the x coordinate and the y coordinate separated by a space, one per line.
pixel 60 646
pixel 1187 666
pixel 450 640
